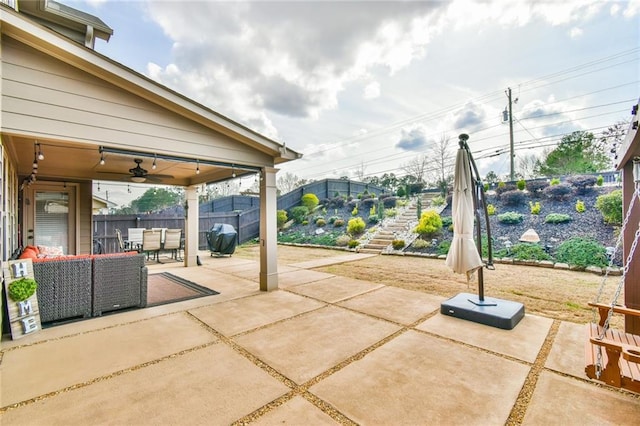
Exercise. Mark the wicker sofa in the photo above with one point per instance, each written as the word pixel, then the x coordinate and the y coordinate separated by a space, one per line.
pixel 83 286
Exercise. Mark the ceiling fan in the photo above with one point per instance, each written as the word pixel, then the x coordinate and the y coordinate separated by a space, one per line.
pixel 139 175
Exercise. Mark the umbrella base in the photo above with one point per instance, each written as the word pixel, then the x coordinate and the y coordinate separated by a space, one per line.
pixel 493 312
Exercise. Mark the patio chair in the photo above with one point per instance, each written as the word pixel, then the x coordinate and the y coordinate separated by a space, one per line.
pixel 173 242
pixel 151 242
pixel 134 238
pixel 124 246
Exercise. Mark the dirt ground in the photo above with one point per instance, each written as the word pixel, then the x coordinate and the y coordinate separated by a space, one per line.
pixel 546 292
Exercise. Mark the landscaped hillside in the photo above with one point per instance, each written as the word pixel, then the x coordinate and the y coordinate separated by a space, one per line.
pixel 555 219
pixel 556 213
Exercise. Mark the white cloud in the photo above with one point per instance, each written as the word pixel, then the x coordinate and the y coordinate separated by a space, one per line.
pixel 575 32
pixel 372 90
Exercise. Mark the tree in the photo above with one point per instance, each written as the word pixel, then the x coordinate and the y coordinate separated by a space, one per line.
pixel 417 168
pixel 491 177
pixel 577 153
pixel 611 139
pixel 156 199
pixel 288 182
pixel 387 180
pixel 442 163
pixel 527 166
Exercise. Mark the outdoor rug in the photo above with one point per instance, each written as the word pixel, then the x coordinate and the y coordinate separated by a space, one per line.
pixel 166 288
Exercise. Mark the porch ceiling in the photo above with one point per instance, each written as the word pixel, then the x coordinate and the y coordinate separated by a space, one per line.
pixel 71 161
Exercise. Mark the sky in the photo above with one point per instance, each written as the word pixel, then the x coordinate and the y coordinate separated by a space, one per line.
pixel 369 86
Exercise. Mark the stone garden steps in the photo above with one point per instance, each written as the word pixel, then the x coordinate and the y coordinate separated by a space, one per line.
pixel 400 226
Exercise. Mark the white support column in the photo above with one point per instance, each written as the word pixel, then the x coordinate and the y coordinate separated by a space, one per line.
pixel 191 227
pixel 268 230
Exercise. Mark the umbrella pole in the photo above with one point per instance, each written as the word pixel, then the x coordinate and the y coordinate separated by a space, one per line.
pixel 479 205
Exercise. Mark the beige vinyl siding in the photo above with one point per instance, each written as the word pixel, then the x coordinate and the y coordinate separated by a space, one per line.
pixel 85 218
pixel 44 96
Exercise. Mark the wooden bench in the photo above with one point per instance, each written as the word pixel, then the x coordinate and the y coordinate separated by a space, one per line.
pixel 620 352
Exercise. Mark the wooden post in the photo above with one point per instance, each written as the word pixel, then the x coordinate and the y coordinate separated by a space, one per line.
pixel 268 230
pixel 632 277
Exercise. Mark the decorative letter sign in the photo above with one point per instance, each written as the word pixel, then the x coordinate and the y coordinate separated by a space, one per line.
pixel 24 316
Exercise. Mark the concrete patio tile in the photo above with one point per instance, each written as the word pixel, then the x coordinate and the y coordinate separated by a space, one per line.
pixel 335 289
pixel 297 411
pixel 242 268
pixel 523 342
pixel 567 351
pixel 213 385
pixel 417 379
pixel 230 318
pixel 561 400
pixel 83 357
pixel 395 304
pixel 301 276
pixel 305 346
pixel 325 261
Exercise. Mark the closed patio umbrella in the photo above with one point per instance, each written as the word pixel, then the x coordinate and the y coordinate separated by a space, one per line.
pixel 464 253
pixel 463 256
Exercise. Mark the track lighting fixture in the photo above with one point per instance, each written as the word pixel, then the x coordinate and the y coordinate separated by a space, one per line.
pixel 153 166
pixel 102 158
pixel 233 171
pixel 197 167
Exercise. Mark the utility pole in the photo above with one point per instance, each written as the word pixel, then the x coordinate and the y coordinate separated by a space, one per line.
pixel 512 153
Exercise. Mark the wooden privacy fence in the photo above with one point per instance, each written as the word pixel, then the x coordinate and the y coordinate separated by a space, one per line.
pixel 243 212
pixel 247 224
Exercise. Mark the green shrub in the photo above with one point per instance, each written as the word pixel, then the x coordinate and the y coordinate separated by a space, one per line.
pixel 310 201
pixel 485 187
pixel 521 184
pixel 22 289
pixel 429 224
pixel 491 209
pixel 299 213
pixel 437 201
pixel 356 226
pixel 557 218
pixel 447 221
pixel 374 219
pixel 397 244
pixel 343 240
pixel 599 180
pixel 390 212
pixel 401 192
pixel 510 218
pixel 419 244
pixel 321 222
pixel 354 212
pixel 529 251
pixel 332 219
pixel 554 181
pixel 535 207
pixel 443 247
pixel 353 243
pixel 501 184
pixel 610 205
pixel 580 208
pixel 582 252
pixel 281 218
pixel 305 222
pixel 338 223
